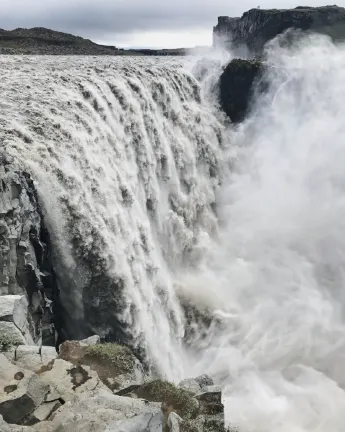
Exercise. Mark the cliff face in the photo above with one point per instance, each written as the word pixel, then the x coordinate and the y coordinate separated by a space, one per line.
pixel 257 26
pixel 25 253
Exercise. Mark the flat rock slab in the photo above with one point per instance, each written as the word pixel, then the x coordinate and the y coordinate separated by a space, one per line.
pixel 95 411
pixel 21 392
pixel 67 380
pixel 7 303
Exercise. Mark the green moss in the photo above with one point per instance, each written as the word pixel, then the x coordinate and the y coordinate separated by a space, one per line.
pixel 119 356
pixel 6 342
pixel 171 396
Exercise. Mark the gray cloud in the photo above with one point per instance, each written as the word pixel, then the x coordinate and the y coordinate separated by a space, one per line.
pixel 109 19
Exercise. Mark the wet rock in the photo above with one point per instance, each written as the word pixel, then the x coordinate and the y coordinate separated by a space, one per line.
pixel 204 380
pixel 210 403
pixel 67 380
pixel 190 385
pixel 238 83
pixel 25 255
pixel 92 340
pixel 115 364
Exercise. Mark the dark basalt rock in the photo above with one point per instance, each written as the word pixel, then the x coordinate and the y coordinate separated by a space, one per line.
pixel 238 83
pixel 257 26
pixel 25 253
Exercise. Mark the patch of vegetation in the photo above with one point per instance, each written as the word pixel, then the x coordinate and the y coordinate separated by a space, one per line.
pixel 119 356
pixel 6 342
pixel 173 398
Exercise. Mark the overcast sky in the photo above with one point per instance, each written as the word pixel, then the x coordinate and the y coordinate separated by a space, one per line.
pixel 134 23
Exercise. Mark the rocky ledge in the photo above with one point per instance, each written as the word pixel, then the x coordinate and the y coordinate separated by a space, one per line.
pixel 257 26
pixel 240 81
pixel 93 387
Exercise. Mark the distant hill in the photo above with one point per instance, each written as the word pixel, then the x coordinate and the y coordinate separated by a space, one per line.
pixel 43 41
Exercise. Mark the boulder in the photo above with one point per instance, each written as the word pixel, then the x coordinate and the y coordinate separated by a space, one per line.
pixel 210 403
pixel 115 364
pixel 204 380
pixel 7 303
pixel 92 340
pixel 174 422
pixel 191 385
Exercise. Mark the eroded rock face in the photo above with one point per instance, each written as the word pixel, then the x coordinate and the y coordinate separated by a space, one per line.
pixel 257 26
pixel 25 254
pixel 240 80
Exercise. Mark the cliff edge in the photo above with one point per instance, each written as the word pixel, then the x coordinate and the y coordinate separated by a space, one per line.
pixel 258 26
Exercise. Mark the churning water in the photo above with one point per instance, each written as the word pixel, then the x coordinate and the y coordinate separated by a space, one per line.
pixel 135 166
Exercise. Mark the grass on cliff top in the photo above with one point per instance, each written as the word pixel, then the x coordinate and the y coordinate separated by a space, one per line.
pixel 119 355
pixel 171 396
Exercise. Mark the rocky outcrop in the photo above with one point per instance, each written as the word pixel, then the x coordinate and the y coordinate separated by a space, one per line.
pixel 115 364
pixel 257 26
pixel 26 268
pixel 54 395
pixel 240 80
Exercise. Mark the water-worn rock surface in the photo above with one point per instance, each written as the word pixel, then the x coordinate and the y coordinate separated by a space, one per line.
pixel 257 26
pixel 56 395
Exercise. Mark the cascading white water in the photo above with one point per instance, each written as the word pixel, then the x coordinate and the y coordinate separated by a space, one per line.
pixel 276 278
pixel 126 159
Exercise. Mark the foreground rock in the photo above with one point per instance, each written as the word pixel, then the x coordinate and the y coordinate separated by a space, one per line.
pixel 257 26
pixel 115 364
pixel 240 80
pixel 93 392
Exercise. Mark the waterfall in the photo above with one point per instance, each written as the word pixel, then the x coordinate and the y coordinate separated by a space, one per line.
pixel 126 156
pixel 212 248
